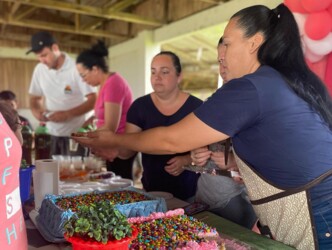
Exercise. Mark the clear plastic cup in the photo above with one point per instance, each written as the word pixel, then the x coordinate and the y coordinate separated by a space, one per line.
pixel 77 162
pixel 89 162
pixel 65 161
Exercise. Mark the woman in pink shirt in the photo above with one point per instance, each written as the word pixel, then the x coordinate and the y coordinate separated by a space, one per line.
pixel 114 98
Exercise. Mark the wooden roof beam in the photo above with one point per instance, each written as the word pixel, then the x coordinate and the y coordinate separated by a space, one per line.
pixel 92 25
pixel 25 13
pixel 88 10
pixel 121 5
pixel 77 18
pixel 61 28
pixel 204 43
pixel 183 54
pixel 14 8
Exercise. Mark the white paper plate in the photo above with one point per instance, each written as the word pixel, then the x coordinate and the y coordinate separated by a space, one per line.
pixel 76 190
pixel 121 183
pixel 161 194
pixel 69 185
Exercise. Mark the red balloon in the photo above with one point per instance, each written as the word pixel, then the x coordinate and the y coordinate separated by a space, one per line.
pixel 315 5
pixel 319 68
pixel 318 25
pixel 295 6
pixel 329 9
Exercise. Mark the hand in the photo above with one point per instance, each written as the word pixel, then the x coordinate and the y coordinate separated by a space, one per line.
pixel 42 116
pixel 238 179
pixel 175 165
pixel 95 139
pixel 88 122
pixel 106 153
pixel 58 116
pixel 200 156
pixel 219 158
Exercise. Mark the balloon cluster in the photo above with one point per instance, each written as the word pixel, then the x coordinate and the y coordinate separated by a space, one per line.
pixel 314 19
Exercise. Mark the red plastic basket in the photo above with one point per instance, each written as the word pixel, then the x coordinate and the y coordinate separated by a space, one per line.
pixel 123 244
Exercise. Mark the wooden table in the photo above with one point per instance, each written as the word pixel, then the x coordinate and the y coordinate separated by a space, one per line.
pixel 254 240
pixel 223 226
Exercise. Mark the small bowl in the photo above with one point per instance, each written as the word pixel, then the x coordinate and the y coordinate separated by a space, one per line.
pixel 121 183
pixel 75 190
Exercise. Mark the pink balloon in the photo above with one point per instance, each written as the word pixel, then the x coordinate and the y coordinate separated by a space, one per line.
pixel 295 6
pixel 318 25
pixel 328 73
pixel 315 5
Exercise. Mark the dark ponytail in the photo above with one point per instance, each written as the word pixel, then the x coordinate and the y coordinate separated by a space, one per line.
pixel 282 50
pixel 96 56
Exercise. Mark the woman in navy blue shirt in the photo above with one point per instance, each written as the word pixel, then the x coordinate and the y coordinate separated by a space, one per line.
pixel 279 115
pixel 166 105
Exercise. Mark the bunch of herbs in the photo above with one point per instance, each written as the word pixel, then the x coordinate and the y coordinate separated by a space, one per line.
pixel 100 221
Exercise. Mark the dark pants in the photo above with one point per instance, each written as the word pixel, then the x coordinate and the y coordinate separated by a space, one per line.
pixel 124 168
pixel 60 146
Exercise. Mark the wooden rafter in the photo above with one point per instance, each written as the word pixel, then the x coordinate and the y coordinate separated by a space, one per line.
pixel 61 28
pixel 89 11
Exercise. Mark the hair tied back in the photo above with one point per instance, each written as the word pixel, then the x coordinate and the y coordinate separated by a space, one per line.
pixel 276 12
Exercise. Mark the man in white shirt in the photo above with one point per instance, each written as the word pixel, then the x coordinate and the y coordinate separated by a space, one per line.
pixel 58 95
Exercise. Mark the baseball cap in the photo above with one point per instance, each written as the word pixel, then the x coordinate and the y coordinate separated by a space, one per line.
pixel 40 40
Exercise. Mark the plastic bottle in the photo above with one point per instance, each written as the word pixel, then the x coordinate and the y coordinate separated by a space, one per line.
pixel 27 143
pixel 42 142
pixel 82 130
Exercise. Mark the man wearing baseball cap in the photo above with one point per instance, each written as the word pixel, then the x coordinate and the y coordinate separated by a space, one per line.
pixel 58 95
pixel 40 40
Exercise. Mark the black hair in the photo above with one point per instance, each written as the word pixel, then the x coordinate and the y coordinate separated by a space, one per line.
pixel 7 95
pixel 282 50
pixel 10 115
pixel 221 39
pixel 95 56
pixel 175 60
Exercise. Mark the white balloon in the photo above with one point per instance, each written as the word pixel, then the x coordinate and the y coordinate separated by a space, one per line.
pixel 300 20
pixel 312 57
pixel 319 47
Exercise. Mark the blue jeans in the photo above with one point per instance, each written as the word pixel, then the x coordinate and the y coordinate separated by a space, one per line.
pixel 238 210
pixel 323 221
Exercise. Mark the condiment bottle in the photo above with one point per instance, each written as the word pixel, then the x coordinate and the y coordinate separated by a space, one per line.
pixel 42 142
pixel 27 143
